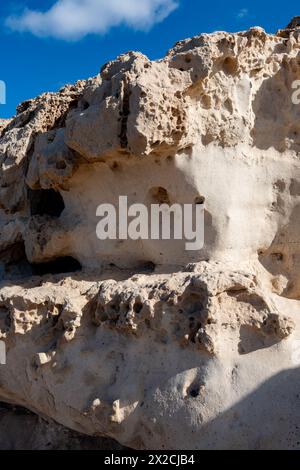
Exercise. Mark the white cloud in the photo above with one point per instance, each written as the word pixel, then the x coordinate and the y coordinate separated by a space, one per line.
pixel 243 13
pixel 74 19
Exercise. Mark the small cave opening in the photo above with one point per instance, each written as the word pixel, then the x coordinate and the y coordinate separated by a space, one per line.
pixel 15 265
pixel 195 390
pixel 199 200
pixel 230 65
pixel 194 393
pixel 45 202
pixel 146 267
pixel 159 195
pixel 64 265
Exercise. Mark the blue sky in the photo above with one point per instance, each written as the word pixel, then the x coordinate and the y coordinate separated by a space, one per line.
pixel 32 63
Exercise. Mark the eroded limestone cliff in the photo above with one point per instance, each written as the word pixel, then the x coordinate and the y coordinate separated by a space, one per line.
pixel 143 341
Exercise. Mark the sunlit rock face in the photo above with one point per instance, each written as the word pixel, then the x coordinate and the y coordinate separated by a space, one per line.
pixel 142 340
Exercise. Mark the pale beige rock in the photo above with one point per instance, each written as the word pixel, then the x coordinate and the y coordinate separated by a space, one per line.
pixel 150 344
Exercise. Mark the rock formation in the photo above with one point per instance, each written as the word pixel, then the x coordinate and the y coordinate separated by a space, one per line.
pixel 140 340
pixel 20 429
pixel 3 123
